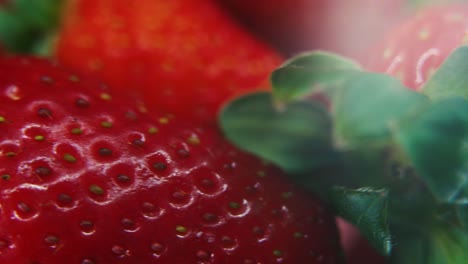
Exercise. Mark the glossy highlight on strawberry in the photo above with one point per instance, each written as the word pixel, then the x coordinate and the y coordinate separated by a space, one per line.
pixel 90 176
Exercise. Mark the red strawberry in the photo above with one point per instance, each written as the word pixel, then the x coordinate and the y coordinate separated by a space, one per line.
pixel 348 27
pixel 416 48
pixel 188 57
pixel 88 176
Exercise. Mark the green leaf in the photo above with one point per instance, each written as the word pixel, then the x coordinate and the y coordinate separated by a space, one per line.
pixel 462 214
pixel 366 208
pixel 449 244
pixel 451 78
pixel 13 32
pixel 25 23
pixel 410 248
pixel 310 72
pixel 436 140
pixel 297 138
pixel 454 214
pixel 440 243
pixel 350 169
pixel 365 110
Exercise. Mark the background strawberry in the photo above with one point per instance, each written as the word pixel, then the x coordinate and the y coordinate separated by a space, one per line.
pixel 413 50
pixel 346 27
pixel 187 57
pixel 91 176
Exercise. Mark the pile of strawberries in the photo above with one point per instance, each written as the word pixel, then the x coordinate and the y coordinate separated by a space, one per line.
pixel 111 150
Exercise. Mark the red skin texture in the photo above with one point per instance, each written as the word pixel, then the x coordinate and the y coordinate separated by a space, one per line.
pixel 186 57
pixel 180 195
pixel 348 27
pixel 413 50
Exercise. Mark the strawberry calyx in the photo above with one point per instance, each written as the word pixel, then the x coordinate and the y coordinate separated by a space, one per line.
pixel 28 27
pixel 390 160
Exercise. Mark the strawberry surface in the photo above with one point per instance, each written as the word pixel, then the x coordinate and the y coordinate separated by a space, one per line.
pixel 413 50
pixel 91 176
pixel 188 57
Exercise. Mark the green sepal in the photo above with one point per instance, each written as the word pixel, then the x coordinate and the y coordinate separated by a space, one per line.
pixel 26 24
pixel 367 107
pixel 311 72
pixel 378 134
pixel 352 169
pixel 411 248
pixel 441 243
pixel 435 141
pixel 454 214
pixel 462 215
pixel 449 245
pixel 366 208
pixel 296 137
pixel 451 79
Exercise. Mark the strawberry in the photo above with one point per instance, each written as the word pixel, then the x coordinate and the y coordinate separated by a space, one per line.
pixel 91 176
pixel 413 50
pixel 347 27
pixel 188 57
